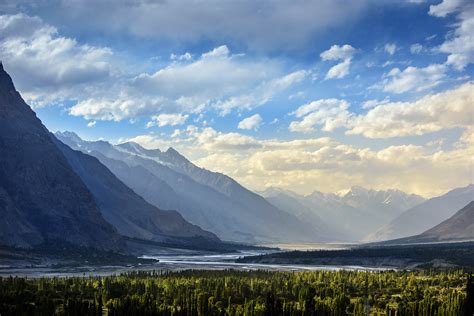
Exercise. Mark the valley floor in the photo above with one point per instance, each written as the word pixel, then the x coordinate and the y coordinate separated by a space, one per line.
pixel 319 258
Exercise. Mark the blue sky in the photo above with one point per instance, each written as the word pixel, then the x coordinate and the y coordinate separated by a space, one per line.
pixel 304 95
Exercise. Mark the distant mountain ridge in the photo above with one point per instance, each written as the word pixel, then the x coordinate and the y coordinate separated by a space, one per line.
pixel 459 227
pixel 128 212
pixel 350 213
pixel 425 215
pixel 211 200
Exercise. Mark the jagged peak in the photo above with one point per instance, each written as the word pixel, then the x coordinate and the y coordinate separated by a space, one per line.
pixel 171 150
pixel 67 134
pixel 175 154
pixel 6 82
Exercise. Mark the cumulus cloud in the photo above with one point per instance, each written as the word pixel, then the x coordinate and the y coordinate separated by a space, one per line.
pixel 167 120
pixel 52 69
pixel 215 74
pixel 414 78
pixel 217 80
pixel 251 122
pixel 446 7
pixel 339 71
pixel 42 60
pixel 459 46
pixel 305 165
pixel 123 107
pixel 328 113
pixel 407 167
pixel 336 52
pixel 448 109
pixel 385 119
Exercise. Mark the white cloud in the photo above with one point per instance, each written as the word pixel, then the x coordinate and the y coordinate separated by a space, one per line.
pixel 184 57
pixel 123 107
pixel 176 133
pixel 212 140
pixel 385 119
pixel 51 69
pixel 459 46
pixel 329 113
pixel 217 81
pixel 167 120
pixel 390 48
pixel 414 78
pixel 339 71
pixel 251 122
pixel 262 94
pixel 215 75
pixel 336 52
pixel 42 62
pixel 446 7
pixel 416 48
pixel 91 124
pixel 221 51
pixel 374 102
pixel 304 165
pixel 431 113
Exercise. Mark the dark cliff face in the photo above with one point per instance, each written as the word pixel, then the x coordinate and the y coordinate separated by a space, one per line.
pixel 41 197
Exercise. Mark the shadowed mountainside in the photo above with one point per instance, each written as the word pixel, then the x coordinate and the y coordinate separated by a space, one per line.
pixel 41 198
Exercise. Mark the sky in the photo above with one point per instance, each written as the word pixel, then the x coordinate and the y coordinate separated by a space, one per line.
pixel 300 95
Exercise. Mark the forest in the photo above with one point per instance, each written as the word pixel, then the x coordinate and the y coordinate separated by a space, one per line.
pixel 231 292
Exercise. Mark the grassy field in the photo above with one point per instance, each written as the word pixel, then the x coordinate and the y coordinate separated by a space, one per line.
pixel 243 293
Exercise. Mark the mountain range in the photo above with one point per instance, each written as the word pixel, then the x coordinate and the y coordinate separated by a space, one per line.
pixel 50 193
pixel 349 214
pixel 61 188
pixel 208 199
pixel 424 216
pixel 458 227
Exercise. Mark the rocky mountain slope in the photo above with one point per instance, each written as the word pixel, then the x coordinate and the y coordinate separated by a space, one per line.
pixel 41 198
